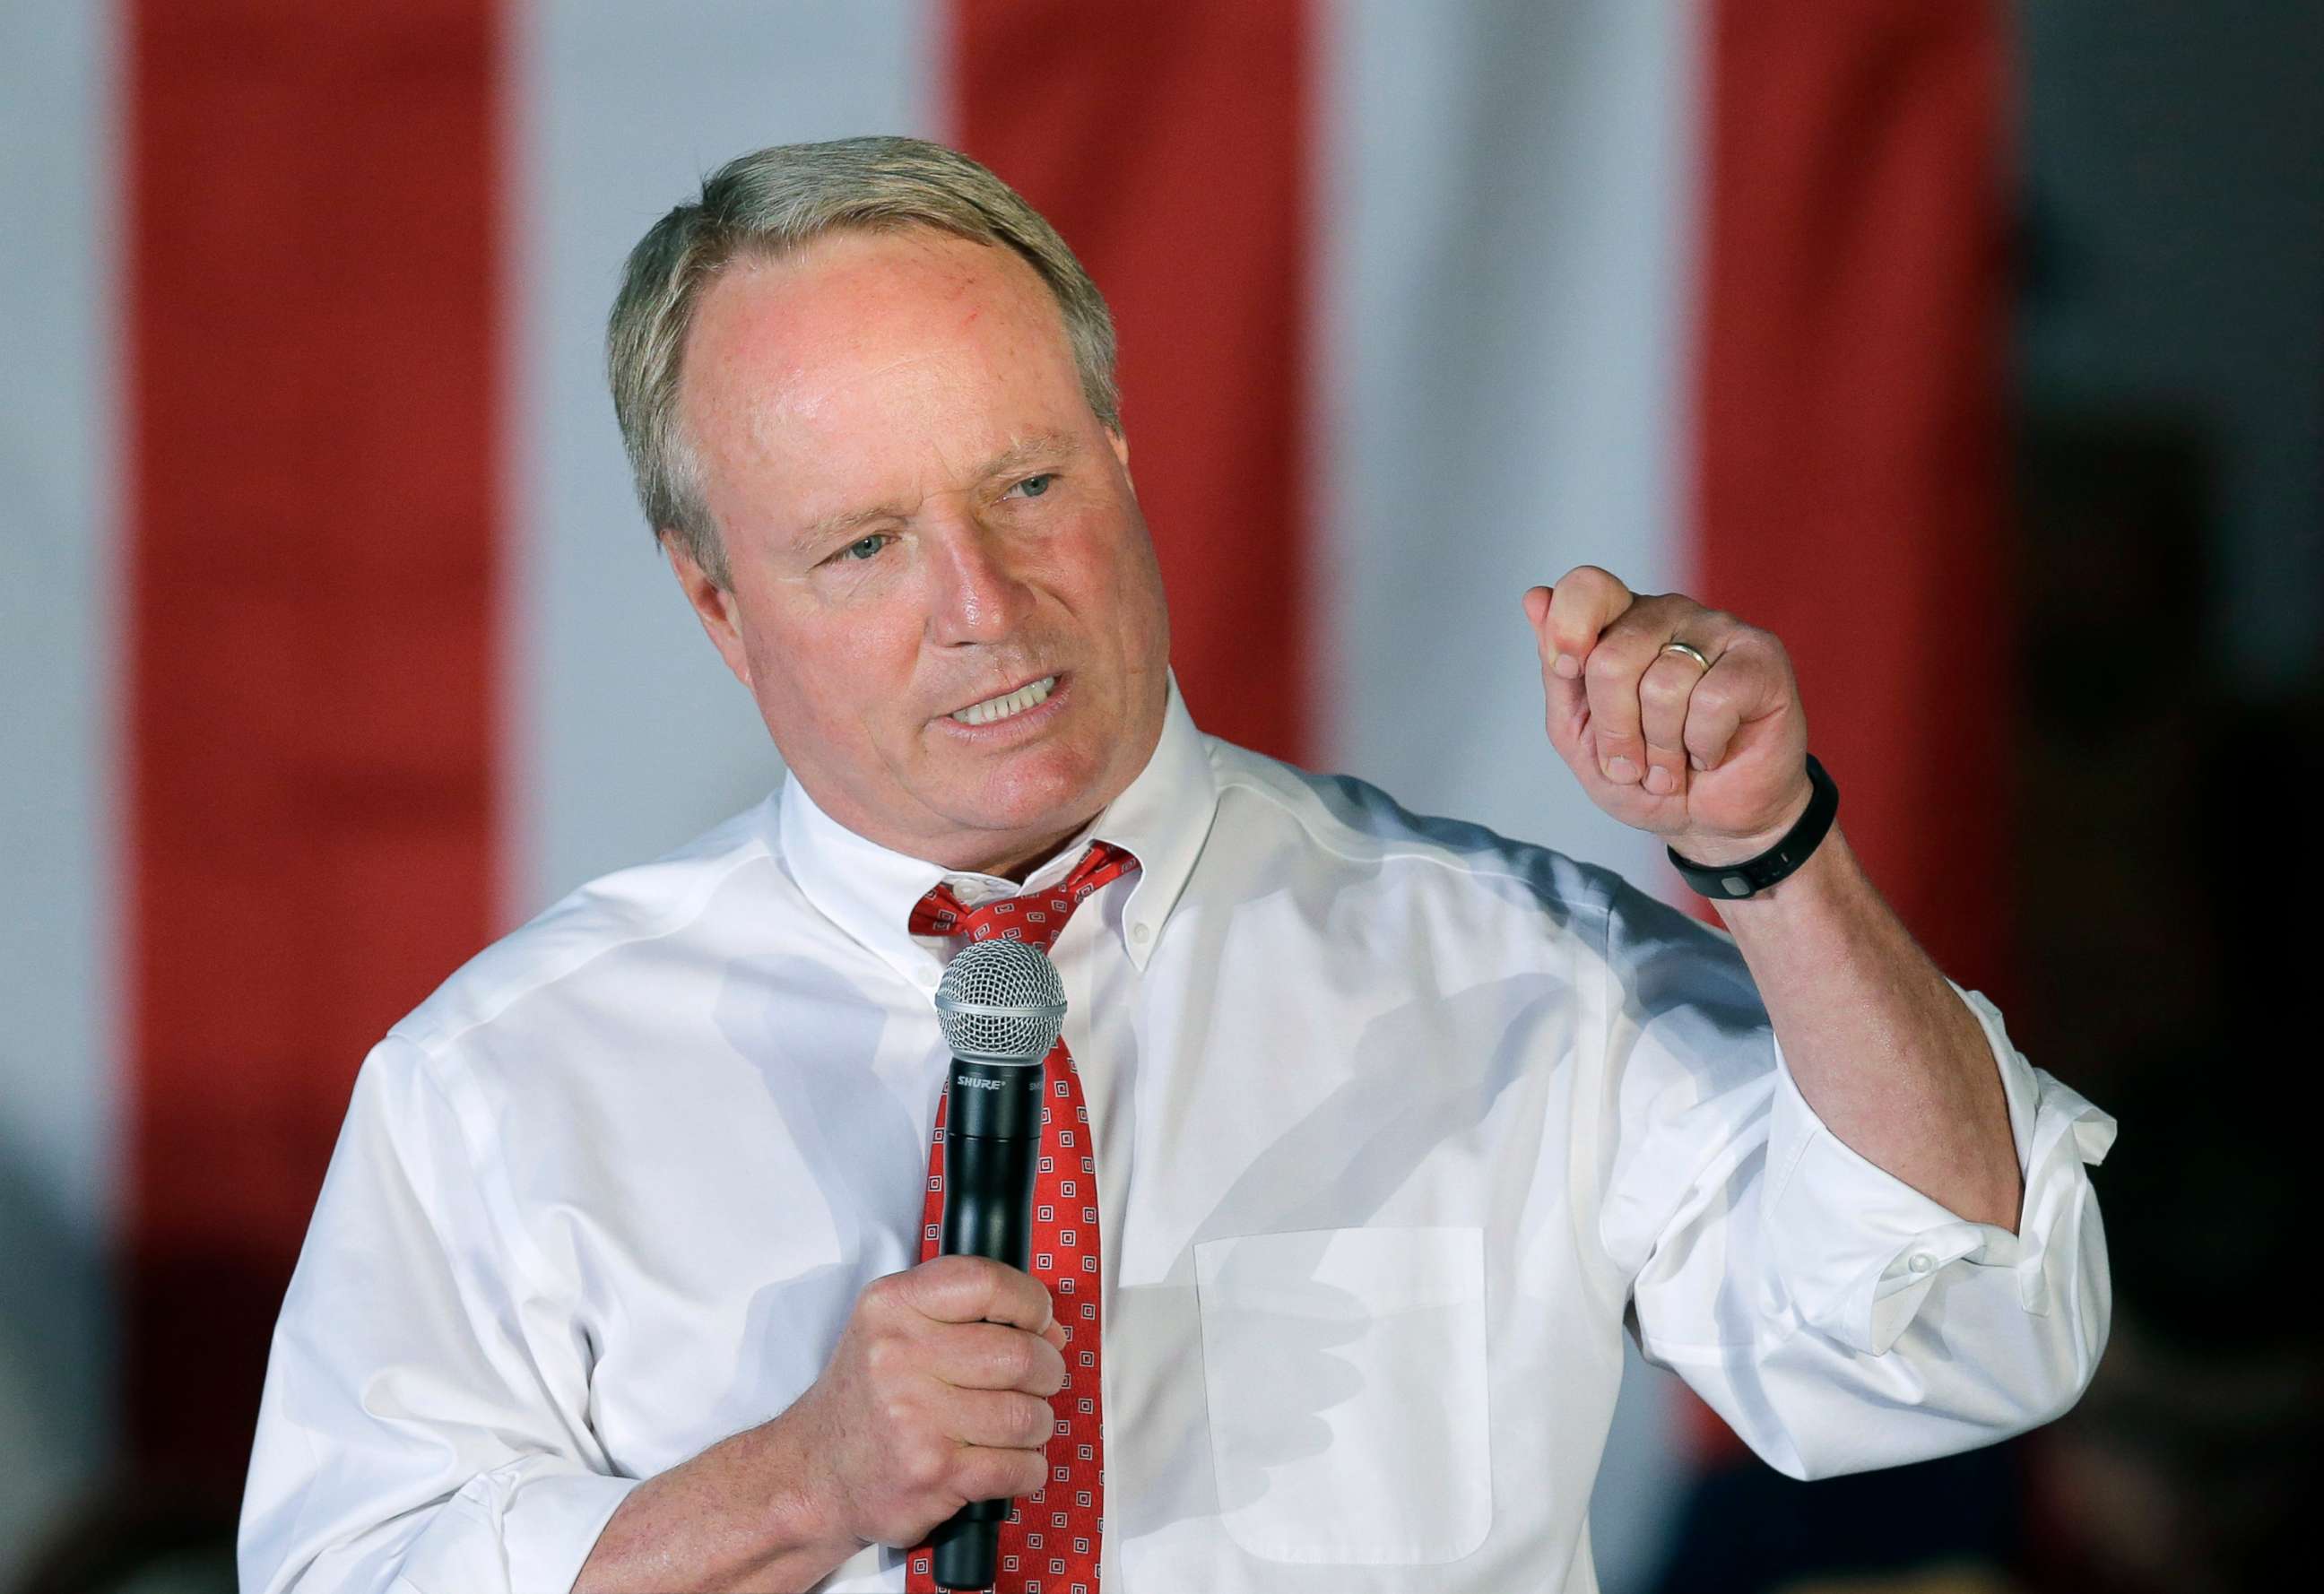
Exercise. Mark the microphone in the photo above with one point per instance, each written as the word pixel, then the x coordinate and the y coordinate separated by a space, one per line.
pixel 1000 1004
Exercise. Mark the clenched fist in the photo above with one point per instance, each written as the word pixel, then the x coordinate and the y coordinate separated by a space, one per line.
pixel 1710 755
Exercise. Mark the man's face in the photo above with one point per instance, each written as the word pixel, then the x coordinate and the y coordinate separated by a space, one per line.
pixel 921 513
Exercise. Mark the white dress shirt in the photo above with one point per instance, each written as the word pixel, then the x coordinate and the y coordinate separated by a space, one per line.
pixel 1397 1125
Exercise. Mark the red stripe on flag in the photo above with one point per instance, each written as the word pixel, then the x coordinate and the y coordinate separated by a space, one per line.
pixel 312 403
pixel 1168 143
pixel 1850 493
pixel 1851 418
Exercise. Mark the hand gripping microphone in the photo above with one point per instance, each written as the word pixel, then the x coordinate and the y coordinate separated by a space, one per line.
pixel 1001 1005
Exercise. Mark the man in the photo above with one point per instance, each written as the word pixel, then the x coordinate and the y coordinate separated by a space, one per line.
pixel 1369 1133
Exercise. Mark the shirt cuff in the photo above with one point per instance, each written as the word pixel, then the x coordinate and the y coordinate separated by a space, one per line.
pixel 542 1515
pixel 1857 1249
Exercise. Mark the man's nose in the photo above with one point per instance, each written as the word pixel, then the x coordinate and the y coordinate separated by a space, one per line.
pixel 978 596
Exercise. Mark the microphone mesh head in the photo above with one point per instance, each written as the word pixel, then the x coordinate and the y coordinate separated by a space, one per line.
pixel 1001 1001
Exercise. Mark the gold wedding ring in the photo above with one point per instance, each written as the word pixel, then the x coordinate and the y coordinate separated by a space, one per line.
pixel 1690 650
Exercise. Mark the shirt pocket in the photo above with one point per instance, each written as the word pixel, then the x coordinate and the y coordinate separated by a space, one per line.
pixel 1345 1372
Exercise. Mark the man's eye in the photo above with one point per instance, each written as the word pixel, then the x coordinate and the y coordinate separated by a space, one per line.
pixel 864 547
pixel 1034 486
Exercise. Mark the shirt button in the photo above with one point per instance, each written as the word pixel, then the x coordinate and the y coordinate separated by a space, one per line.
pixel 1141 934
pixel 1922 1262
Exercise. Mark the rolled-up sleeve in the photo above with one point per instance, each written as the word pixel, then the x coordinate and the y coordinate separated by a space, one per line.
pixel 1837 1318
pixel 1863 1281
pixel 424 1424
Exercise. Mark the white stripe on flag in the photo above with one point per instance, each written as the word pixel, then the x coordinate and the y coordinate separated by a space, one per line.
pixel 59 779
pixel 627 735
pixel 1507 204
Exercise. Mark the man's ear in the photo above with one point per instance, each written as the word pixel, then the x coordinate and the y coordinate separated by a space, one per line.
pixel 713 605
pixel 1121 442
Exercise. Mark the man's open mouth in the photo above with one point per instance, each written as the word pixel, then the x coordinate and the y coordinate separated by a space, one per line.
pixel 1029 696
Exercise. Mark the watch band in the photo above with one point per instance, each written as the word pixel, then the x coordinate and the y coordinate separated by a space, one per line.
pixel 1732 882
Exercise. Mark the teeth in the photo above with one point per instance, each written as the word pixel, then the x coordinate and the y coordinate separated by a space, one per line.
pixel 1007 704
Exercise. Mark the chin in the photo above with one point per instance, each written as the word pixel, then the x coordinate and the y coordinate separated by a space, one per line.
pixel 1053 786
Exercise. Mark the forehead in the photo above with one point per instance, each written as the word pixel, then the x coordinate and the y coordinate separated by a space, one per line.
pixel 861 337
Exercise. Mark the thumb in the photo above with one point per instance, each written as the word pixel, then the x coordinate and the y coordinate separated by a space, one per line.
pixel 1565 701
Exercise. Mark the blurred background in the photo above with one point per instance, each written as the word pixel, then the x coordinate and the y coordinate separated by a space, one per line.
pixel 1977 350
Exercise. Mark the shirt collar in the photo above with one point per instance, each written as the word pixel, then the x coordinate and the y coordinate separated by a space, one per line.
pixel 868 890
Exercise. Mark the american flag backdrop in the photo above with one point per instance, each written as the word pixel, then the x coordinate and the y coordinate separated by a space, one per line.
pixel 331 645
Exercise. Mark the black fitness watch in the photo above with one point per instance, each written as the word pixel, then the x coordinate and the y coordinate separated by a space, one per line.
pixel 1732 882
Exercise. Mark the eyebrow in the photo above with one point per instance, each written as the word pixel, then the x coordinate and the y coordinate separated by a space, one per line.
pixel 1058 447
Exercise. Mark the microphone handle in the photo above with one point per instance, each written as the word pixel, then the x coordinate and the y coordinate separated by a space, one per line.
pixel 992 1143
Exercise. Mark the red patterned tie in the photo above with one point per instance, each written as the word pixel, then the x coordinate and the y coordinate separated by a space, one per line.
pixel 1049 1543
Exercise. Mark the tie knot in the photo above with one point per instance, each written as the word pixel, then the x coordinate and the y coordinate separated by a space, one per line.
pixel 1035 917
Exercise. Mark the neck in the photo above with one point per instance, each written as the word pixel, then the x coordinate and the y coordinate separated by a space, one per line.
pixel 1019 863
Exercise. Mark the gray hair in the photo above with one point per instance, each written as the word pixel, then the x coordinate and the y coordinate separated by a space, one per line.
pixel 771 202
